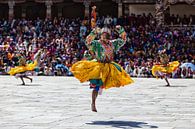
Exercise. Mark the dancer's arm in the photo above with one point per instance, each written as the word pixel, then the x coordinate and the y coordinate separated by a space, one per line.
pixel 93 34
pixel 91 43
pixel 119 42
pixel 37 56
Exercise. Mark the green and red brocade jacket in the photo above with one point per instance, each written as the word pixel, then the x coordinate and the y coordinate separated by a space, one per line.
pixel 104 52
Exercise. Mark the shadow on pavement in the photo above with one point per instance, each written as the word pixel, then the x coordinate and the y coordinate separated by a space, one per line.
pixel 123 124
pixel 172 86
pixel 29 85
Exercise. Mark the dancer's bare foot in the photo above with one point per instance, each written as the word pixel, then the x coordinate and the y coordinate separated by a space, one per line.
pixel 93 108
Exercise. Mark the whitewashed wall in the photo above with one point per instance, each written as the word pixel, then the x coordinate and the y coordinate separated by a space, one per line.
pixel 142 8
pixel 182 9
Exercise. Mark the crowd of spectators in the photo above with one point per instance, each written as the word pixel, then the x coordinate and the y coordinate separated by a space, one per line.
pixel 177 20
pixel 63 42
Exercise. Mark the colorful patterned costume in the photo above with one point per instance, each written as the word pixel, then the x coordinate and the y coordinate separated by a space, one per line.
pixel 166 67
pixel 23 67
pixel 102 72
pixel 93 17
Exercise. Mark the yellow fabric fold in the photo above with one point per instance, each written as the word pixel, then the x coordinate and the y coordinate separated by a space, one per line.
pixel 107 72
pixel 171 67
pixel 20 69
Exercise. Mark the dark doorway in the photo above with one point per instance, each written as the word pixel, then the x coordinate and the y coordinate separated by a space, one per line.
pixel 4 9
pixel 73 10
pixel 34 10
pixel 55 8
pixel 106 7
pixel 18 11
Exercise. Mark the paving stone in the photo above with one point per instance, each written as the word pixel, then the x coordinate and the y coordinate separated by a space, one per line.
pixel 64 103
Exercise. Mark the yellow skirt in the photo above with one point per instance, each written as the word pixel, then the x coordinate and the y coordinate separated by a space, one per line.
pixel 111 74
pixel 171 67
pixel 21 69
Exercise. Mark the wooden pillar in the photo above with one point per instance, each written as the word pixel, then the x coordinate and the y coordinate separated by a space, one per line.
pixel 86 4
pixel 126 11
pixel 23 11
pixel 11 4
pixel 48 4
pixel 120 8
pixel 60 9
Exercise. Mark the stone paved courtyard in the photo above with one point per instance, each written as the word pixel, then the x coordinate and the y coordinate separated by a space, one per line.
pixel 64 103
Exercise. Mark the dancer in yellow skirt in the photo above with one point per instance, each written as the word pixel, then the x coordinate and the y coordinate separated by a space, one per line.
pixel 102 71
pixel 20 71
pixel 164 67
